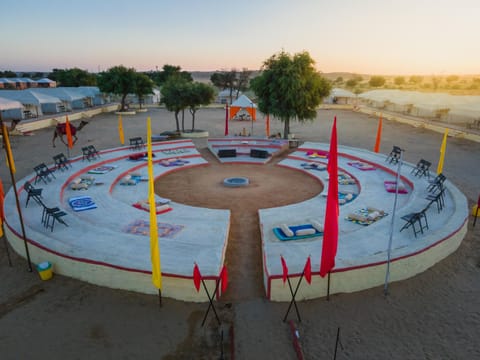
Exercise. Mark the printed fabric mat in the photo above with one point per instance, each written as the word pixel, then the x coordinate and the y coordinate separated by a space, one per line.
pixel 81 203
pixel 283 237
pixel 366 216
pixel 142 227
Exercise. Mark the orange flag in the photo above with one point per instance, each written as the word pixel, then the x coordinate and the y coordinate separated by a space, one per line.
pixel 379 136
pixel 68 132
pixel 2 196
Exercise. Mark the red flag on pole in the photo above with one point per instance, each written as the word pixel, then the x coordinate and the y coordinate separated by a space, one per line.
pixel 226 119
pixel 284 268
pixel 68 132
pixel 197 277
pixel 379 136
pixel 330 234
pixel 307 271
pixel 224 278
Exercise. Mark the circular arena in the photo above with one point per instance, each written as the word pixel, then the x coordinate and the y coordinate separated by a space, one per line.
pixel 103 235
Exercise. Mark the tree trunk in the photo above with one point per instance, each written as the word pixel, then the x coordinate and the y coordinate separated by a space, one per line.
pixel 193 111
pixel 286 128
pixel 176 120
pixel 183 120
pixel 122 104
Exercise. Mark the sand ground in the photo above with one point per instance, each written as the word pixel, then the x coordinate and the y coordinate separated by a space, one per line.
pixel 435 315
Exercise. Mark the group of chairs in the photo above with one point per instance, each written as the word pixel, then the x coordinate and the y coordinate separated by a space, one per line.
pixel 436 194
pixel 49 214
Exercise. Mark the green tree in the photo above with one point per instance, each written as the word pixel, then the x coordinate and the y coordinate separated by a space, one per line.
pixel 175 94
pixel 225 80
pixel 436 82
pixel 168 71
pixel 399 80
pixel 8 74
pixel 377 81
pixel 452 78
pixel 415 79
pixel 118 80
pixel 73 77
pixel 143 86
pixel 289 87
pixel 351 83
pixel 199 94
pixel 338 80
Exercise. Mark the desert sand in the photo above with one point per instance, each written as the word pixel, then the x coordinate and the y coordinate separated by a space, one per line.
pixel 435 315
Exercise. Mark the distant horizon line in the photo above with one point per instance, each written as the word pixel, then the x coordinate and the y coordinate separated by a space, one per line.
pixel 254 70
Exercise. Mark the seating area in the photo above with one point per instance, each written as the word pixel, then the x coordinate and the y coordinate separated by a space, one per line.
pixel 43 173
pixel 52 213
pixel 422 168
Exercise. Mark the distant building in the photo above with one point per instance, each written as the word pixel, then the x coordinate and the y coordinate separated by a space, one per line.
pixel 23 83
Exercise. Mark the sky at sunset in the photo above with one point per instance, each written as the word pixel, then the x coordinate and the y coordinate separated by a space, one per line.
pixel 368 37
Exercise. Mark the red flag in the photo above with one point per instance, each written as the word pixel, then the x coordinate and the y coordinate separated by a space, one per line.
pixel 68 132
pixel 330 233
pixel 224 278
pixel 226 119
pixel 379 136
pixel 308 271
pixel 197 277
pixel 284 268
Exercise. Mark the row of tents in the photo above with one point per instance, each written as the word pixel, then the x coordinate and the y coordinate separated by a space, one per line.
pixel 35 102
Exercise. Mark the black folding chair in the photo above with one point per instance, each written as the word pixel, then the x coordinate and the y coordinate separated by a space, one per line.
pixel 43 173
pixel 438 198
pixel 87 153
pixel 416 218
pixel 394 155
pixel 422 168
pixel 32 192
pixel 61 162
pixel 136 143
pixel 437 183
pixel 93 151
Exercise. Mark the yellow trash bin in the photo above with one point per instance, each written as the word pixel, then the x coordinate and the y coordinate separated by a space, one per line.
pixel 45 270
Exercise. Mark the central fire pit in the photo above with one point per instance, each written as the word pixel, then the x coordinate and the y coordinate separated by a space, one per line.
pixel 236 182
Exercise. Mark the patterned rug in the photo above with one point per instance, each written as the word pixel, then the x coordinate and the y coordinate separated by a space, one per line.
pixel 366 216
pixel 142 227
pixel 102 169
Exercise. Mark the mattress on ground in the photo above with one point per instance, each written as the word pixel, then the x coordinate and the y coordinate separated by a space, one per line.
pixel 283 237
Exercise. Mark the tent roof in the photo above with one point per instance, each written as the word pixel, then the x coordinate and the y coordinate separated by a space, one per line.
pixel 7 104
pixel 342 93
pixel 63 93
pixel 29 97
pixel 45 81
pixel 244 102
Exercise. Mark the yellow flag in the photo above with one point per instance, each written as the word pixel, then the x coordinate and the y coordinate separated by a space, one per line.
pixel 120 130
pixel 443 148
pixel 154 247
pixel 8 149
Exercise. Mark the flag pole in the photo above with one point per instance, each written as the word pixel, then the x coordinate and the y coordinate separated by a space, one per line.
pixel 328 286
pixel 392 222
pixel 337 341
pixel 8 150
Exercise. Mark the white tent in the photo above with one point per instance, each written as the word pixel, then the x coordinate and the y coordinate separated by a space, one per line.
pixel 340 96
pixel 11 109
pixel 243 102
